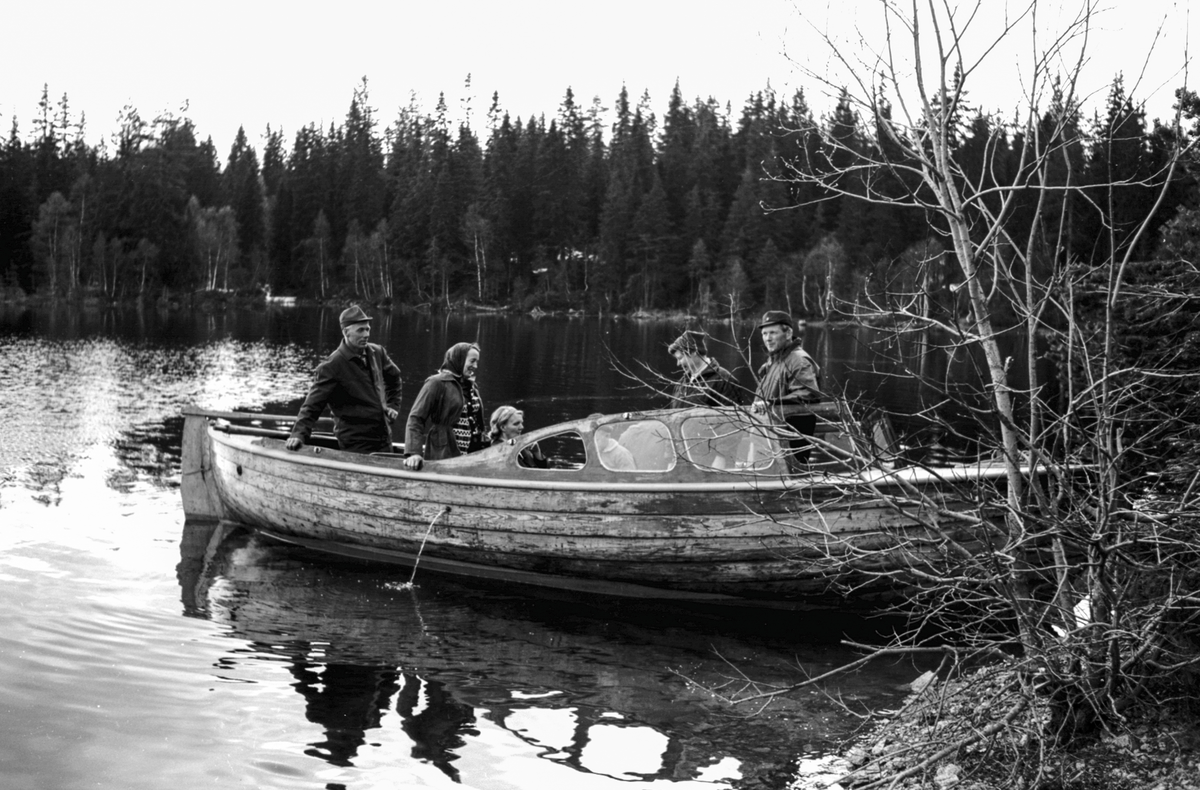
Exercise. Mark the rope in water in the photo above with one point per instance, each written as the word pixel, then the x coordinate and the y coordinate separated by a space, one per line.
pixel 417 561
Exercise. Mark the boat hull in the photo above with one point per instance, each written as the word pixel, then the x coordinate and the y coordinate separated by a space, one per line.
pixel 763 538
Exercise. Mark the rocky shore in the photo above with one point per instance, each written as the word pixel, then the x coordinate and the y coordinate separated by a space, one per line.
pixel 979 732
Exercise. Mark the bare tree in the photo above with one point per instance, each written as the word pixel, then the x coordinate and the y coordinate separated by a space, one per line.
pixel 1080 567
pixel 214 231
pixel 54 240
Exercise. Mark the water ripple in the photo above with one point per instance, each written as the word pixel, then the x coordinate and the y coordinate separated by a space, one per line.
pixel 61 397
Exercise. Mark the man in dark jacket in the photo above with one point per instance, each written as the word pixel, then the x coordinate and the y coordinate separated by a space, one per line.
pixel 788 381
pixel 360 384
pixel 704 381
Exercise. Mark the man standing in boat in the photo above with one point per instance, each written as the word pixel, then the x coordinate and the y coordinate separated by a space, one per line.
pixel 704 381
pixel 788 382
pixel 360 384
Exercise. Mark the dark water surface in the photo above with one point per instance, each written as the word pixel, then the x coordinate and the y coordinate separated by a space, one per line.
pixel 142 652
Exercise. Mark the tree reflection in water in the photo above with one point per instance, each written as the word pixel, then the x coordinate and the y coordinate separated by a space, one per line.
pixel 346 701
pixel 453 663
pixel 435 720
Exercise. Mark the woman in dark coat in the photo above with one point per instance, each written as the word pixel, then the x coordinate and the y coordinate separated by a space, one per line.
pixel 446 419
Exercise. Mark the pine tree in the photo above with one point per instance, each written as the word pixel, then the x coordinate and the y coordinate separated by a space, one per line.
pixel 274 161
pixel 411 186
pixel 1058 138
pixel 1123 186
pixel 840 157
pixel 499 201
pixel 651 240
pixel 675 150
pixel 243 193
pixel 743 234
pixel 361 187
pixel 797 150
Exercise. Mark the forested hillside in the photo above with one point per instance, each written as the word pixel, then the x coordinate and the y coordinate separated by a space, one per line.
pixel 607 208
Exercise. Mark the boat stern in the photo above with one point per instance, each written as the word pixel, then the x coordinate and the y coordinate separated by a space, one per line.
pixel 201 501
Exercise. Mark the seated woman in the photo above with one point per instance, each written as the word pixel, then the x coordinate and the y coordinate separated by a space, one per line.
pixel 507 424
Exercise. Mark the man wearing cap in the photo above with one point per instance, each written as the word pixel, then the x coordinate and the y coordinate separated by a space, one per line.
pixel 788 380
pixel 360 384
pixel 704 381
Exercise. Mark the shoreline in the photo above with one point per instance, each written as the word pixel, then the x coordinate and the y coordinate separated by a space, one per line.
pixel 234 301
pixel 976 732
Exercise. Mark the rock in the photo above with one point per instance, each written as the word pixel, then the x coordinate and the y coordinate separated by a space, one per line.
pixel 821 773
pixel 1123 741
pixel 946 776
pixel 857 756
pixel 923 682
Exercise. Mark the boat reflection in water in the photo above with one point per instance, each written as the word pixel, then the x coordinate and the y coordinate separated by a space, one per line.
pixel 477 680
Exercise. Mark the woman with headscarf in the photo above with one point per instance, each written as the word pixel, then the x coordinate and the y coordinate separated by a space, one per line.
pixel 447 419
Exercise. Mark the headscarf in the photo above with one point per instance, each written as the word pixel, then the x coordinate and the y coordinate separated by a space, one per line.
pixel 456 357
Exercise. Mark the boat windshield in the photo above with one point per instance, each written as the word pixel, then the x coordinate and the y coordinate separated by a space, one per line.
pixel 727 443
pixel 557 451
pixel 641 446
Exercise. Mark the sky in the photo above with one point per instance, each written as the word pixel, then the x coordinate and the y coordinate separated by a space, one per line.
pixel 253 63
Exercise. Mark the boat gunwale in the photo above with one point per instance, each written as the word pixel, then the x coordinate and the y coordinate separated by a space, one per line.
pixel 824 480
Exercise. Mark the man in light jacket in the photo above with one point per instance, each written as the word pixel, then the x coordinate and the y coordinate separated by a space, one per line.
pixel 788 382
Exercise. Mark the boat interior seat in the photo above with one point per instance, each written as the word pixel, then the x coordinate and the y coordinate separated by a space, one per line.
pixel 324 441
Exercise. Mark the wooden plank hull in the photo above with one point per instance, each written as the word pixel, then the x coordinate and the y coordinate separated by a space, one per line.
pixel 763 537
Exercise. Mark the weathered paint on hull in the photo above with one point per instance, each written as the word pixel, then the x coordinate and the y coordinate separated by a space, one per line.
pixel 766 541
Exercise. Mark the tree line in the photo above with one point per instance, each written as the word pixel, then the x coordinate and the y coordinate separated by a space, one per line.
pixel 614 211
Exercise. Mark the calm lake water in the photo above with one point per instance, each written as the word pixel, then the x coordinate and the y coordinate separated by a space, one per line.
pixel 143 652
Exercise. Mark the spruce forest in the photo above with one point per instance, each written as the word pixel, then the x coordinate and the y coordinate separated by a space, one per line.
pixel 605 209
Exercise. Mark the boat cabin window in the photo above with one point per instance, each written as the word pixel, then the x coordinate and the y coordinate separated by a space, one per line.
pixel 727 443
pixel 641 446
pixel 561 451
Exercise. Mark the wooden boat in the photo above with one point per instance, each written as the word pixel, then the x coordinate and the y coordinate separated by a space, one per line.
pixel 691 504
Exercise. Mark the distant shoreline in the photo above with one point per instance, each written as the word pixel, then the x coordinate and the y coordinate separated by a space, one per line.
pixel 249 301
